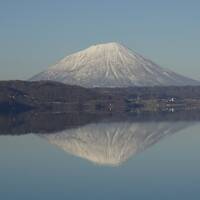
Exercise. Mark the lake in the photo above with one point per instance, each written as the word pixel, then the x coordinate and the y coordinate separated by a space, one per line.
pixel 89 156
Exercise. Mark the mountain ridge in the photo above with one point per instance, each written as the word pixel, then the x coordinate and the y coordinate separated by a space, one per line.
pixel 111 65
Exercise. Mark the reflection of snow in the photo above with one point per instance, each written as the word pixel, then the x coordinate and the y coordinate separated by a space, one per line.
pixel 112 143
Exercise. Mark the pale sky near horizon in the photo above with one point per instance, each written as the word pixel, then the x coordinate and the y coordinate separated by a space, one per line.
pixel 35 34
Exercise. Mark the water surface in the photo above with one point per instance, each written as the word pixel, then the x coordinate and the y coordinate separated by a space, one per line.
pixel 92 158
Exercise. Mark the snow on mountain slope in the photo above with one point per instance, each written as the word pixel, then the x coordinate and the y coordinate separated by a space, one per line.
pixel 112 143
pixel 111 65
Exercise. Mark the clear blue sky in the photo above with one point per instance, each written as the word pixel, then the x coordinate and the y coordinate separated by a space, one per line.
pixel 37 33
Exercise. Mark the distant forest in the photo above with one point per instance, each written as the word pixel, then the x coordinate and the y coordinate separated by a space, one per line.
pixel 178 92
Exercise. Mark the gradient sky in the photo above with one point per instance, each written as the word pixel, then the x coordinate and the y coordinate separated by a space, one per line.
pixel 35 34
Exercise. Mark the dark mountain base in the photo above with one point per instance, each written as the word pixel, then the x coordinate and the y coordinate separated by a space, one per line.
pixel 47 96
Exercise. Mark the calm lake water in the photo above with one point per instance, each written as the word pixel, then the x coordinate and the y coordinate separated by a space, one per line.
pixel 99 159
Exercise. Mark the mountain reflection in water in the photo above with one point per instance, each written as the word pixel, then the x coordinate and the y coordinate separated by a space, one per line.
pixel 112 143
pixel 103 139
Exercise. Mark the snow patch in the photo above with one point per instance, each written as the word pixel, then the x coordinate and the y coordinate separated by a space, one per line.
pixel 111 65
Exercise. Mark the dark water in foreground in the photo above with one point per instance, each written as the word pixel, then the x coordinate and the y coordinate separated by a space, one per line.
pixel 58 156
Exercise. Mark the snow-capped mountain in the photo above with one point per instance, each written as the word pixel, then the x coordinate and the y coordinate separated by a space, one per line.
pixel 111 65
pixel 112 143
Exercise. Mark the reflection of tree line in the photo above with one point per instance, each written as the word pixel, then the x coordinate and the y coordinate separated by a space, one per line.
pixel 43 122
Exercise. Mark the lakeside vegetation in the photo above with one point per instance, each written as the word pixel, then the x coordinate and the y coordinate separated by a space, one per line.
pixel 19 96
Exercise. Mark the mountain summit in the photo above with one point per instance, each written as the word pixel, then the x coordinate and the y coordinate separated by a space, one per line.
pixel 111 65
